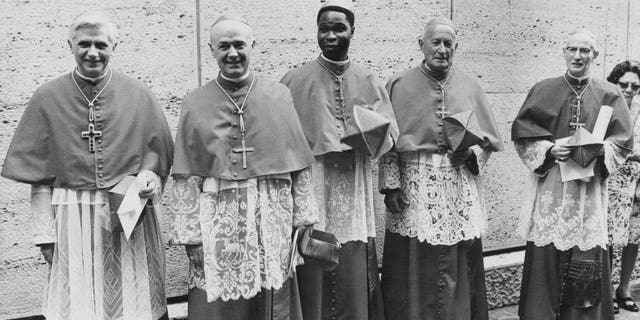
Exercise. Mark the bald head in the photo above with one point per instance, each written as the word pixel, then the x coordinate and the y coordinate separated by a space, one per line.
pixel 232 44
pixel 439 22
pixel 230 23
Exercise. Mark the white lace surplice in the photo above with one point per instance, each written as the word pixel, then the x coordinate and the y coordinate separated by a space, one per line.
pixel 445 203
pixel 344 189
pixel 245 228
pixel 96 273
pixel 567 214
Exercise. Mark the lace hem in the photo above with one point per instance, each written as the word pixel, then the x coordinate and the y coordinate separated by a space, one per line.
pixel 184 206
pixel 445 205
pixel 389 172
pixel 533 153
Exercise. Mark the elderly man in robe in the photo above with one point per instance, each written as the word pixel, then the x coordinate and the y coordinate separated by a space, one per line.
pixel 80 135
pixel 242 185
pixel 432 265
pixel 566 269
pixel 325 91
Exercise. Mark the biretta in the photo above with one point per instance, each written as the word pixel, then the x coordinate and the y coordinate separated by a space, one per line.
pixel 344 6
pixel 367 131
pixel 584 147
pixel 462 131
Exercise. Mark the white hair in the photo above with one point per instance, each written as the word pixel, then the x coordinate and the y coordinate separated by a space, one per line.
pixel 94 19
pixel 589 34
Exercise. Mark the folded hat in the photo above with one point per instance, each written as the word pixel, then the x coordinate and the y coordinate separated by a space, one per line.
pixel 585 147
pixel 462 130
pixel 368 132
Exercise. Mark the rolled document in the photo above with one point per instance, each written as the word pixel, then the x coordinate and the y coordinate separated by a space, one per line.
pixel 602 122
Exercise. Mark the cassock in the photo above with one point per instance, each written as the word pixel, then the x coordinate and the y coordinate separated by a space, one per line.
pixel 242 184
pixel 565 224
pixel 96 272
pixel 432 264
pixel 324 93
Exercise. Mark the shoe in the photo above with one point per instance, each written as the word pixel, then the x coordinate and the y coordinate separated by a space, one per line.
pixel 616 310
pixel 626 303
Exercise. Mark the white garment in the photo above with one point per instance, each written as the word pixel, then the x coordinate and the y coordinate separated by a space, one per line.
pixel 445 203
pixel 344 191
pixel 97 274
pixel 245 228
pixel 567 214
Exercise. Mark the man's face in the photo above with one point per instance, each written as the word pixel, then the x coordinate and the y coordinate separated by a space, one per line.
pixel 438 45
pixel 231 44
pixel 578 54
pixel 92 50
pixel 334 35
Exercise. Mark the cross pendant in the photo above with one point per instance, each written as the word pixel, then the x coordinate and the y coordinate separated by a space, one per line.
pixel 442 112
pixel 244 151
pixel 91 134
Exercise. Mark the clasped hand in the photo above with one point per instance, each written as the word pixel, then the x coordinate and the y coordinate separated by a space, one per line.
pixel 560 152
pixel 151 185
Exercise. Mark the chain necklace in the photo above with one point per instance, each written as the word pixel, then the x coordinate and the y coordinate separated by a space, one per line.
pixel 442 110
pixel 341 108
pixel 91 134
pixel 240 111
pixel 576 124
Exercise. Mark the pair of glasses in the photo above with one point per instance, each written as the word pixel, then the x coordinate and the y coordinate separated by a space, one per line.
pixel 625 85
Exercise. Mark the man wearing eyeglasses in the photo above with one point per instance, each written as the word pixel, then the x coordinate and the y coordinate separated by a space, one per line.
pixel 566 269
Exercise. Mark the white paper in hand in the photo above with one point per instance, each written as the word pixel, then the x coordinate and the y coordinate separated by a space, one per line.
pixel 132 205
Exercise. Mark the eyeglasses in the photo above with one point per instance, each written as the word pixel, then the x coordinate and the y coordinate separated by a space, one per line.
pixel 583 51
pixel 625 85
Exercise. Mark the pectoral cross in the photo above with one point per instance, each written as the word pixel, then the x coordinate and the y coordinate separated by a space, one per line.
pixel 442 112
pixel 244 151
pixel 91 134
pixel 577 124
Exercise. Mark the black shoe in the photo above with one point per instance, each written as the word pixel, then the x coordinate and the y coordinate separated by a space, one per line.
pixel 626 303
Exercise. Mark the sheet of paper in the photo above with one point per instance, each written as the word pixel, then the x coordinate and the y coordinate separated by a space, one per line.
pixel 571 170
pixel 131 207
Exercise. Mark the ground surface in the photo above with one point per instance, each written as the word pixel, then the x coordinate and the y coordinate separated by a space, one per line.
pixel 508 45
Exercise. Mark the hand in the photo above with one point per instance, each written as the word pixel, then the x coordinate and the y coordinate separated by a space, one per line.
pixel 194 252
pixel 561 153
pixel 149 191
pixel 460 157
pixel 393 200
pixel 47 251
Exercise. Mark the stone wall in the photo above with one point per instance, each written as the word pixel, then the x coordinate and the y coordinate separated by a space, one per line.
pixel 507 44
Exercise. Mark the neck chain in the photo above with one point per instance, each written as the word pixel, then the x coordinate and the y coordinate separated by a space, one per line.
pixel 240 111
pixel 91 134
pixel 341 108
pixel 575 124
pixel 442 110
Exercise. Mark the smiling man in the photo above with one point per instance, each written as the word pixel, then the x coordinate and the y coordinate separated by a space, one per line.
pixel 432 265
pixel 80 135
pixel 325 91
pixel 566 268
pixel 242 185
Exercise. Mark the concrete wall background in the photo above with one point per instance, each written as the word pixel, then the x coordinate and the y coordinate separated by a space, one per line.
pixel 507 44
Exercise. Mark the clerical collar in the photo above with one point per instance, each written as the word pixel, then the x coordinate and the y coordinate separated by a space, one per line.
pixel 93 81
pixel 337 67
pixel 574 81
pixel 439 76
pixel 234 84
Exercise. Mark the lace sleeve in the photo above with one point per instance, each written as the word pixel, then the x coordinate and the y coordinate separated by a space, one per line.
pixel 389 172
pixel 305 206
pixel 184 207
pixel 44 230
pixel 534 154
